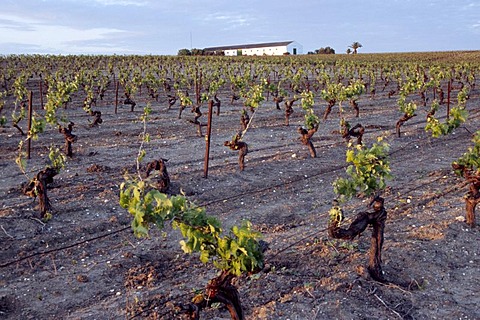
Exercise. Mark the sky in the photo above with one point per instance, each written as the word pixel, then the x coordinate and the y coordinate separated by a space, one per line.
pixel 162 27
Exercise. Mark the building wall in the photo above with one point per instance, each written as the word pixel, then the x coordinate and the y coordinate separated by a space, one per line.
pixel 230 52
pixel 292 48
pixel 269 51
pixel 295 48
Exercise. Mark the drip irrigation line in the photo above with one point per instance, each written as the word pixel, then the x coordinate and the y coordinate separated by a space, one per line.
pixel 302 178
pixel 451 189
pixel 64 247
pixel 297 242
pixel 222 200
pixel 281 184
pixel 161 302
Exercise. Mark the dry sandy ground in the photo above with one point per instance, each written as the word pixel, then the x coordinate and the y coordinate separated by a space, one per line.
pixel 85 263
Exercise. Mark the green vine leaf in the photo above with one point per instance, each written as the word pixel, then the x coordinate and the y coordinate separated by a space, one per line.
pixel 57 158
pixel 367 173
pixel 471 158
pixel 236 253
pixel 458 115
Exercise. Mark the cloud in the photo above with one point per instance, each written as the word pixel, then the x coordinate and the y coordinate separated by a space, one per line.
pixel 14 24
pixel 52 38
pixel 228 21
pixel 123 3
pixel 471 5
pixel 476 26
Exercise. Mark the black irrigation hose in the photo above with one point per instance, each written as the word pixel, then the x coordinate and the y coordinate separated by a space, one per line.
pixel 210 203
pixel 412 189
pixel 269 258
pixel 297 242
pixel 163 301
pixel 328 145
pixel 302 178
pixel 325 229
pixel 64 247
pixel 281 184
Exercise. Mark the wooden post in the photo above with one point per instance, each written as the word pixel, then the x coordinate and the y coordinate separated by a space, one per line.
pixel 448 97
pixel 30 111
pixel 198 85
pixel 268 91
pixel 41 92
pixel 207 139
pixel 116 96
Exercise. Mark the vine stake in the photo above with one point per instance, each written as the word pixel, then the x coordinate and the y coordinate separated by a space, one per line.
pixel 448 97
pixel 207 139
pixel 41 92
pixel 30 112
pixel 116 96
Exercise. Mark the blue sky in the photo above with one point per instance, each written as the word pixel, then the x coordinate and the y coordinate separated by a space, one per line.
pixel 165 26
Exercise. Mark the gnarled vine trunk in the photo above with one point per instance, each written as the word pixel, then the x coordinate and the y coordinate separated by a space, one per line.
pixel 277 99
pixel 198 114
pixel 38 187
pixel 376 219
pixel 472 198
pixel 239 146
pixel 234 97
pixel 402 120
pixel 288 110
pixel 69 138
pixel 163 183
pixel 354 104
pixel 306 136
pixel 171 101
pixel 441 96
pixel 330 105
pixel 219 290
pixel 244 120
pixel 357 131
pixel 97 118
pixel 129 101
pixel 217 103
pixel 17 120
pixel 471 202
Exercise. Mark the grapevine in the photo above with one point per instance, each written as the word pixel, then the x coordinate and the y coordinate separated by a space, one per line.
pixel 368 171
pixel 367 175
pixel 234 254
pixel 458 115
pixel 468 167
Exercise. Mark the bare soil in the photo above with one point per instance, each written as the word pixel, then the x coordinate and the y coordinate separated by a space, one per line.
pixel 85 263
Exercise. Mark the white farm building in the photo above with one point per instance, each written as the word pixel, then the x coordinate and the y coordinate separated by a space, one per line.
pixel 259 49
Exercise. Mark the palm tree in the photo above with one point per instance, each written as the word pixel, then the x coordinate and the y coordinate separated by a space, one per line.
pixel 355 46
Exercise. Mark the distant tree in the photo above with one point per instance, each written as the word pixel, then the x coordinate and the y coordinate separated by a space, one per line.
pixel 329 50
pixel 184 52
pixel 214 53
pixel 349 51
pixel 326 50
pixel 197 52
pixel 355 46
